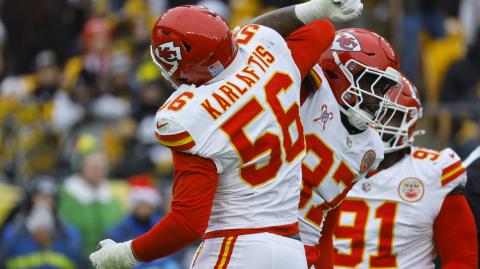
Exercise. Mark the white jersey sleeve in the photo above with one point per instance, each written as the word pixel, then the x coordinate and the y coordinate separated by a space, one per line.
pixel 172 130
pixel 453 173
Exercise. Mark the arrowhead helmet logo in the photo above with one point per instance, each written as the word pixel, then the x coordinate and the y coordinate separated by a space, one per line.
pixel 346 42
pixel 169 54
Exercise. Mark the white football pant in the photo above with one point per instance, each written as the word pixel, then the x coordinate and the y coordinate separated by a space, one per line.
pixel 251 251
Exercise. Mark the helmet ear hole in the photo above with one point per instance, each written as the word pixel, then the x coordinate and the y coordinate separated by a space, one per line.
pixel 331 74
pixel 183 80
pixel 186 46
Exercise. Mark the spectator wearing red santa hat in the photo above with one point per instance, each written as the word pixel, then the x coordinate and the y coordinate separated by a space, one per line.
pixel 145 203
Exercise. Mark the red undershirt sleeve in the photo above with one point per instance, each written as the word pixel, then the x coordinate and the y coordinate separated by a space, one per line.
pixel 455 234
pixel 308 42
pixel 194 187
pixel 325 245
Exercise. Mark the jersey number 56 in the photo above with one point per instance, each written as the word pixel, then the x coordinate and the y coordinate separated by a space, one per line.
pixel 268 142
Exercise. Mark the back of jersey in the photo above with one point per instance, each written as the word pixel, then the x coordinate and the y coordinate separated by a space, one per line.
pixel 247 121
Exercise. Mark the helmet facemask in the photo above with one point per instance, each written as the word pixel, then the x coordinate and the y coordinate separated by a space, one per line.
pixel 361 103
pixel 398 124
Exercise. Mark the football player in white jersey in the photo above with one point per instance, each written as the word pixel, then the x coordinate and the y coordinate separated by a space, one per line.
pixel 413 208
pixel 234 129
pixel 342 101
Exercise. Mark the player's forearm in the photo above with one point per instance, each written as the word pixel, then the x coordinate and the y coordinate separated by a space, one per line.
pixel 283 20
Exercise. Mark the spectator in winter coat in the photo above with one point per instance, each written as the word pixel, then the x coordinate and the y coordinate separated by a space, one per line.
pixel 87 202
pixel 37 238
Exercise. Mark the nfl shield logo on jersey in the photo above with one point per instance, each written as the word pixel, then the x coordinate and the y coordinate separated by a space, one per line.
pixel 411 189
pixel 367 161
pixel 366 187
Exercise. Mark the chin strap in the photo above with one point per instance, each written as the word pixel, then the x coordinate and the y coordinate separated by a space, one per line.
pixel 356 118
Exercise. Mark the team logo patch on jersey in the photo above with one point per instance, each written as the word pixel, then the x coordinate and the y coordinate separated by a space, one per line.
pixel 346 42
pixel 411 189
pixel 367 161
pixel 326 116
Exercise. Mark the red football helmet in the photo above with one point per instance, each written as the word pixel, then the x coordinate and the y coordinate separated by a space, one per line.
pixel 191 45
pixel 360 67
pixel 401 113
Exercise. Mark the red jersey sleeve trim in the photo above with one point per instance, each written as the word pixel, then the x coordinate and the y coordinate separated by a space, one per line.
pixel 173 137
pixel 453 176
pixel 181 142
pixel 316 77
pixel 451 172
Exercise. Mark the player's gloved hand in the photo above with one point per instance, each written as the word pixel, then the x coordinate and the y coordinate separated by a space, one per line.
pixel 335 10
pixel 112 255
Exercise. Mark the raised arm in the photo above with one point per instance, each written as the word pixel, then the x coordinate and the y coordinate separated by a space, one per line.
pixel 283 20
pixel 288 19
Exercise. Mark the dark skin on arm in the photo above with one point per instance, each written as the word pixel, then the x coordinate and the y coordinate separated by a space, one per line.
pixel 283 20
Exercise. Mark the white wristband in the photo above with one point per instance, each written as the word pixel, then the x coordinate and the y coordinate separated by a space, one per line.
pixel 125 254
pixel 310 11
pixel 335 10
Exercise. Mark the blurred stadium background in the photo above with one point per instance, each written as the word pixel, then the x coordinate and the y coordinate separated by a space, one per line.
pixel 78 94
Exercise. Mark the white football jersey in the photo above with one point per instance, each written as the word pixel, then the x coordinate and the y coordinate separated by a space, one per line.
pixel 247 121
pixel 334 161
pixel 387 219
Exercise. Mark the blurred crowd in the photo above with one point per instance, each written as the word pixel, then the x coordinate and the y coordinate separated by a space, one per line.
pixel 78 95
